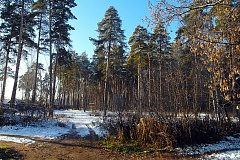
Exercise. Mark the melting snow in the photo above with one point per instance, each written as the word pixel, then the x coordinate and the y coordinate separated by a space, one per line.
pixel 228 155
pixel 228 149
pixel 16 139
pixel 51 130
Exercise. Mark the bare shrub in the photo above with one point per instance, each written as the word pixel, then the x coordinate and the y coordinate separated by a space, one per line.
pixel 146 132
pixel 177 132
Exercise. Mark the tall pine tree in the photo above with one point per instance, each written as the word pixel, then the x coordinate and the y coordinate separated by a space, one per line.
pixel 60 13
pixel 110 47
pixel 138 59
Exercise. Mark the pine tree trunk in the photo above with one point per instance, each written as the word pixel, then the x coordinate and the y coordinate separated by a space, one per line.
pixel 36 69
pixel 106 88
pixel 149 83
pixel 20 46
pixel 50 55
pixel 140 88
pixel 55 71
pixel 5 72
pixel 195 86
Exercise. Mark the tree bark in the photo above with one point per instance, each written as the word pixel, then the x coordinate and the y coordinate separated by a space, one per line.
pixel 50 54
pixel 20 46
pixel 5 72
pixel 106 88
pixel 36 69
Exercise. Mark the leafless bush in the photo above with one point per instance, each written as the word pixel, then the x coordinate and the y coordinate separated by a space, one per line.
pixel 167 134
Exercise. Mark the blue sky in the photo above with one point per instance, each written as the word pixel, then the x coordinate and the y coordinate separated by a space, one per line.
pixel 90 12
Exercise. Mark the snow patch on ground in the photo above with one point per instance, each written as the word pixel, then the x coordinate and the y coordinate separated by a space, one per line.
pixel 81 121
pixel 17 139
pixel 228 155
pixel 48 130
pixel 228 149
pixel 230 143
pixel 51 130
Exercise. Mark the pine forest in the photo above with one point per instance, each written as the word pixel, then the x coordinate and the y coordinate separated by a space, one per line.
pixel 152 90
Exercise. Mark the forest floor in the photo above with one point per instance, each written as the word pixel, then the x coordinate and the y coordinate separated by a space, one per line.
pixel 62 138
pixel 71 147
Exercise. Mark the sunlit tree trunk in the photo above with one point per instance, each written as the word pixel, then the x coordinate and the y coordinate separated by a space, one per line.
pixel 55 71
pixel 106 88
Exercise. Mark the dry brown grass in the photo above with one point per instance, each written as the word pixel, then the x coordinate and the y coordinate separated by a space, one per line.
pixel 165 135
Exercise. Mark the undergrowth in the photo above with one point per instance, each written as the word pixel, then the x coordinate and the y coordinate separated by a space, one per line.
pixel 126 147
pixel 140 135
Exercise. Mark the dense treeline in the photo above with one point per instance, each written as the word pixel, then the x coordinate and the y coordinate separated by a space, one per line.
pixel 41 26
pixel 159 78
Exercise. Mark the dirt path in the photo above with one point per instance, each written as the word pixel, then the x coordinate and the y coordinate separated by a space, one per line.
pixel 58 150
pixel 70 147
